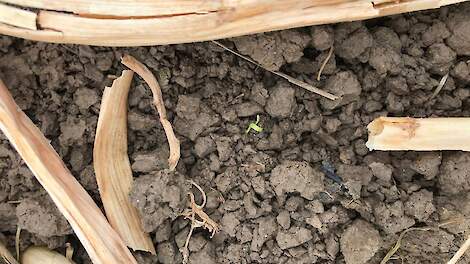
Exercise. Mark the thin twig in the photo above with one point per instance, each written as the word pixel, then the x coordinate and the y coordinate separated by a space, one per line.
pixel 323 65
pixel 282 75
pixel 397 245
pixel 152 82
pixel 17 242
pixel 6 255
pixel 440 86
pixel 460 252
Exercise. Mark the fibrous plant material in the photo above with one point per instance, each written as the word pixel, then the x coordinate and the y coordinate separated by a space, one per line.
pixel 17 17
pixel 103 22
pixel 440 86
pixel 397 245
pixel 288 78
pixel 325 62
pixel 112 166
pixel 101 242
pixel 5 255
pixel 17 242
pixel 43 255
pixel 152 82
pixel 160 22
pixel 460 252
pixel 198 219
pixel 421 134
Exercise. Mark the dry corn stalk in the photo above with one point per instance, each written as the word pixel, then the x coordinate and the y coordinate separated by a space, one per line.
pixel 422 134
pixel 152 22
pixel 17 17
pixel 43 255
pixel 152 82
pixel 101 242
pixel 112 166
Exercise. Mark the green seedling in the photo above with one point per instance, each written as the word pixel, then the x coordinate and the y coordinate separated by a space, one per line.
pixel 254 126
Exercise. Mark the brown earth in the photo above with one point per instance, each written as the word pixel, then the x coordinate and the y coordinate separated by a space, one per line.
pixel 306 189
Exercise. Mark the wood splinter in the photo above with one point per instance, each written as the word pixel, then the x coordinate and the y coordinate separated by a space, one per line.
pixel 420 134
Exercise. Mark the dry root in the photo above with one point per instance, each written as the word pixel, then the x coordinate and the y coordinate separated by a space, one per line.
pixel 198 219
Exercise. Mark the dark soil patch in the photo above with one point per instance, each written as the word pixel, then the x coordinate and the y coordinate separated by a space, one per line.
pixel 306 189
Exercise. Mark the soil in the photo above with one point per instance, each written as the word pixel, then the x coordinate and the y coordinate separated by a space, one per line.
pixel 305 189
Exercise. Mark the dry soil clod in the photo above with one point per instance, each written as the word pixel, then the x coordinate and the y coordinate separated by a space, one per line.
pixel 152 82
pixel 204 220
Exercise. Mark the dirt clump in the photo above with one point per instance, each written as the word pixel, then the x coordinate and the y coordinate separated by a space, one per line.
pixel 40 216
pixel 158 197
pixel 427 164
pixel 193 117
pixel 459 26
pixel 300 177
pixel 281 100
pixel 352 40
pixel 455 170
pixel 359 242
pixel 392 218
pixel 272 50
pixel 420 205
pixel 322 37
pixel 293 237
pixel 8 216
pixel 345 85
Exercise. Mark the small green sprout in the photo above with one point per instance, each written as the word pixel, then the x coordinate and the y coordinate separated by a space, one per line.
pixel 254 126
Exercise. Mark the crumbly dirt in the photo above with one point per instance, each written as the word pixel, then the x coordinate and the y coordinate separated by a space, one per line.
pixel 305 189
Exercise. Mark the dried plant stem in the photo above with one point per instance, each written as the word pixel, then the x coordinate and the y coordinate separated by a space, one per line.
pixel 440 86
pixel 17 242
pixel 101 242
pixel 203 220
pixel 323 65
pixel 397 245
pixel 152 82
pixel 460 252
pixel 160 22
pixel 421 134
pixel 43 255
pixel 112 166
pixel 17 17
pixel 5 255
pixel 282 75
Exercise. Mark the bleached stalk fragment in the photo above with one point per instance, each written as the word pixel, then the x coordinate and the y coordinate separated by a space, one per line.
pixel 152 82
pixel 5 255
pixel 421 134
pixel 112 166
pixel 102 243
pixel 43 255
